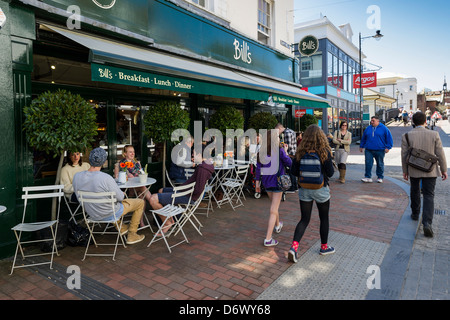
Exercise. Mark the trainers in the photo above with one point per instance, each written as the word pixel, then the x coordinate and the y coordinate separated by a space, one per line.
pixel 366 180
pixel 379 180
pixel 134 238
pixel 292 255
pixel 270 243
pixel 326 251
pixel 278 229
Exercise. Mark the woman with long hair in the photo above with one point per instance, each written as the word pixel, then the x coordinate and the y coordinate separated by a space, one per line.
pixel 313 141
pixel 74 165
pixel 342 138
pixel 267 175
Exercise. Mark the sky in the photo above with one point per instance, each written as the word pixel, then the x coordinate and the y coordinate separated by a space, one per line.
pixel 416 34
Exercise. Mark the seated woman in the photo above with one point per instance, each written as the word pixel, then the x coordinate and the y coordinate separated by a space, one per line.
pixel 129 156
pixel 74 164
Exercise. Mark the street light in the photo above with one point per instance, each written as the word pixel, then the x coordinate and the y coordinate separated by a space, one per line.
pixel 377 37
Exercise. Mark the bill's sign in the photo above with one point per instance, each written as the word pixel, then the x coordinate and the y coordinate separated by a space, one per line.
pixel 368 80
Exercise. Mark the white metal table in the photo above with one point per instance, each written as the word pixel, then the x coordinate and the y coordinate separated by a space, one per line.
pixel 134 183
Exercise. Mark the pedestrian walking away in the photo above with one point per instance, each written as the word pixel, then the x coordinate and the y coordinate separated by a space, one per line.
pixel 289 138
pixel 313 166
pixel 430 142
pixel 342 139
pixel 267 172
pixel 376 141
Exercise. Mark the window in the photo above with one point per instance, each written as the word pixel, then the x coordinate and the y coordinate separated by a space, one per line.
pixel 311 70
pixel 201 3
pixel 264 21
pixel 382 90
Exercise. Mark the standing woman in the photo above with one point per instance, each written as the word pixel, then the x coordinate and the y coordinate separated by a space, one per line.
pixel 314 140
pixel 342 139
pixel 270 182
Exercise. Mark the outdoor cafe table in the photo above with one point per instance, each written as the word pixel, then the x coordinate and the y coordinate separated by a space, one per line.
pixel 134 183
pixel 220 174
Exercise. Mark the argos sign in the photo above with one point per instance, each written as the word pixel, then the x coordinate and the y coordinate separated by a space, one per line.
pixel 368 80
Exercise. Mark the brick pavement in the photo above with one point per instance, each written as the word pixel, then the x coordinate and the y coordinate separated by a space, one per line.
pixel 229 261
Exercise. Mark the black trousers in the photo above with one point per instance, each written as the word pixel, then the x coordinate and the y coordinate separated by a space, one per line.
pixel 428 186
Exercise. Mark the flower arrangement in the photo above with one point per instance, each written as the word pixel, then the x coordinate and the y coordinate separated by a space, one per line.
pixel 126 165
pixel 228 154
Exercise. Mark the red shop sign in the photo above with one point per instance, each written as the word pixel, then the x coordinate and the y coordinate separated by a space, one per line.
pixel 300 113
pixel 368 80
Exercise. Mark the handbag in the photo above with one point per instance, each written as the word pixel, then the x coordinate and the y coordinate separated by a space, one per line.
pixel 420 159
pixel 284 181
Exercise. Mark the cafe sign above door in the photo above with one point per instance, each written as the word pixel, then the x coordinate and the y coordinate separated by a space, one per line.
pixel 308 45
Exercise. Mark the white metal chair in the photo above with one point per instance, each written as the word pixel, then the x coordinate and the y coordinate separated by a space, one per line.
pixel 40 192
pixel 233 187
pixel 170 211
pixel 189 214
pixel 101 198
pixel 74 212
pixel 208 196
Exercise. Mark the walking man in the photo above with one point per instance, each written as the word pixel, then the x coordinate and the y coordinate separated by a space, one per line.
pixel 377 141
pixel 429 141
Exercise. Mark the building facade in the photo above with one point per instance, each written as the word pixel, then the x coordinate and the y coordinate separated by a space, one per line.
pixel 125 56
pixel 404 90
pixel 329 73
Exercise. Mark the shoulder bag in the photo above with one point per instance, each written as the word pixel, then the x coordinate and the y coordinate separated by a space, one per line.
pixel 420 159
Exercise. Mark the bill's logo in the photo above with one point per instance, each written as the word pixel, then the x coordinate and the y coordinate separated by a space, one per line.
pixel 104 4
pixel 242 51
pixel 105 73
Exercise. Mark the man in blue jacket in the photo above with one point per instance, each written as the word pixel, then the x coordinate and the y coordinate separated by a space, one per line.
pixel 377 141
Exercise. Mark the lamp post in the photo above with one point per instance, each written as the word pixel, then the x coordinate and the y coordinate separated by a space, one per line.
pixel 377 36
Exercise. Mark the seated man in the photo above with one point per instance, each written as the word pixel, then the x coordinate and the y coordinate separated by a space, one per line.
pixel 201 175
pixel 183 160
pixel 94 180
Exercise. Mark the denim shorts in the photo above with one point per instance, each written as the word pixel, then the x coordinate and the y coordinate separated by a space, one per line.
pixel 165 197
pixel 320 195
pixel 274 189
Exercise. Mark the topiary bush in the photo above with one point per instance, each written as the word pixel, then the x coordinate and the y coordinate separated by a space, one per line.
pixel 307 120
pixel 226 117
pixel 262 120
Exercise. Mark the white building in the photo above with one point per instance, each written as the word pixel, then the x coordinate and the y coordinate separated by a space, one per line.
pixel 404 90
pixel 268 21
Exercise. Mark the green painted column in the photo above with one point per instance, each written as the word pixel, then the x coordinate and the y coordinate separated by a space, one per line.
pixel 16 42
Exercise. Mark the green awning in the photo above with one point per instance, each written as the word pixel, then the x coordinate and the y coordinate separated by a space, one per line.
pixel 121 63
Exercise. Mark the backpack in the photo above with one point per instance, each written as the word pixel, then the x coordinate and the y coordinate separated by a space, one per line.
pixel 310 175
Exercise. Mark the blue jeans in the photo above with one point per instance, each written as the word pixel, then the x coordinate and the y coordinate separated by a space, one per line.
pixel 378 155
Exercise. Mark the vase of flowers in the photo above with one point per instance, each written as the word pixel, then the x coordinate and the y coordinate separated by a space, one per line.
pixel 123 177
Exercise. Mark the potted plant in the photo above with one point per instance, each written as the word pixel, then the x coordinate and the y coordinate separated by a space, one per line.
pixel 262 120
pixel 227 117
pixel 59 121
pixel 161 120
pixel 307 120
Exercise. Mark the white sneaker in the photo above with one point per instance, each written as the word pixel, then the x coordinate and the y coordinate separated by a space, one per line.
pixel 380 180
pixel 366 180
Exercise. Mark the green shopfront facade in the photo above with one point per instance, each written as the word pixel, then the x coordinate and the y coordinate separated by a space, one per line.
pixel 122 68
